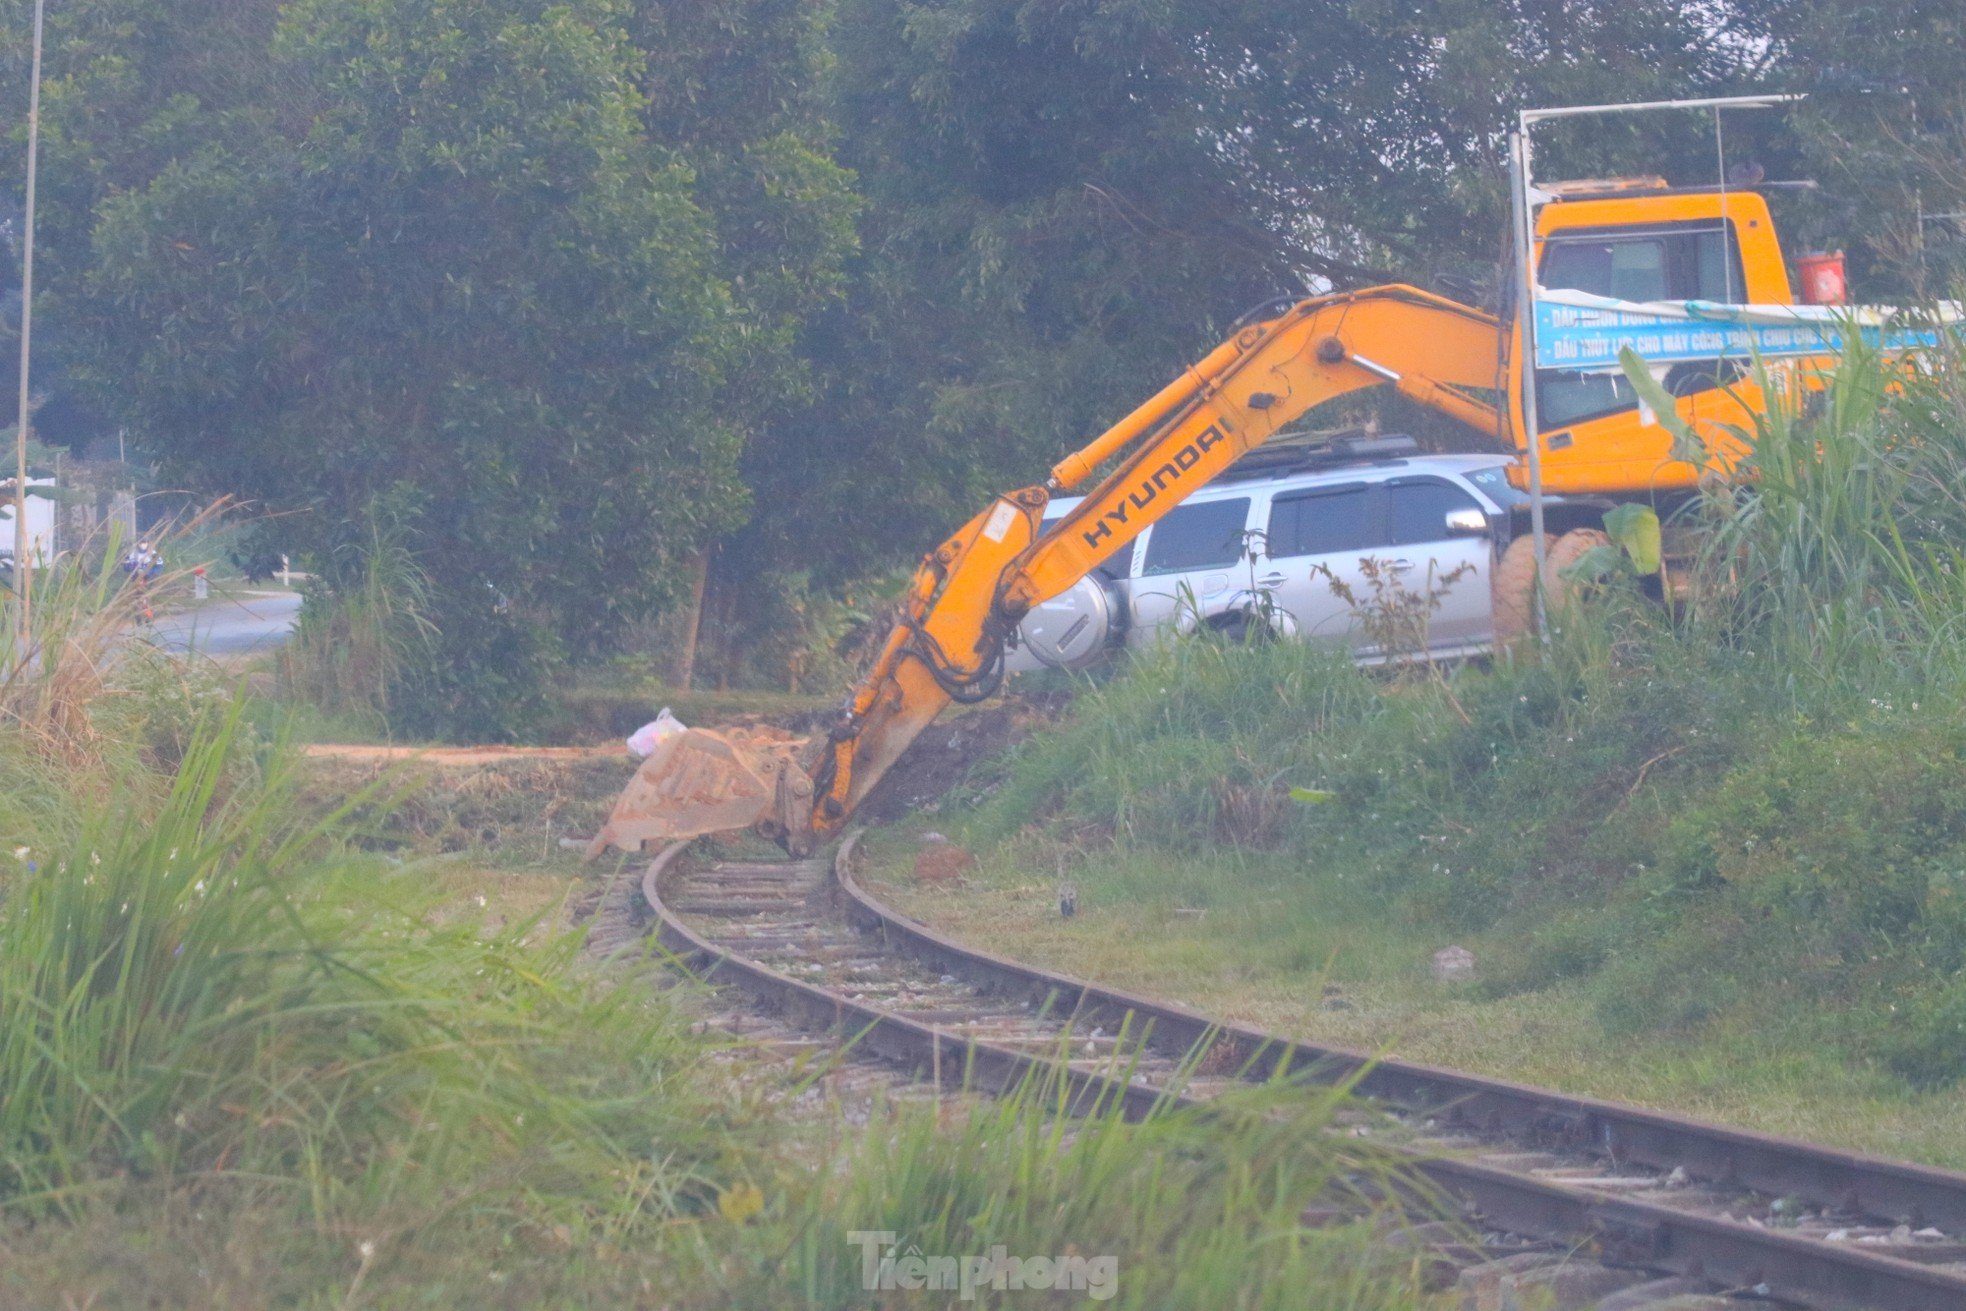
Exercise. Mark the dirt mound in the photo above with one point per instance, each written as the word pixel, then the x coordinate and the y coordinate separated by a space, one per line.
pixel 947 753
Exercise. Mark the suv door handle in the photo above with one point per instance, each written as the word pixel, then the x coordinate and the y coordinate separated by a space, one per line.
pixel 1401 566
pixel 1271 580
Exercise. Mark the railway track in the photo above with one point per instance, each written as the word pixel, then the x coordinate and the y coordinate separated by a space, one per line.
pixel 1669 1212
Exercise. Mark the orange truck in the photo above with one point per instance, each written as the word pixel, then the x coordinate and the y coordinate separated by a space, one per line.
pixel 1635 240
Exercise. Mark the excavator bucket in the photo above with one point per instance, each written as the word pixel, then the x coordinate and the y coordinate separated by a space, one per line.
pixel 698 782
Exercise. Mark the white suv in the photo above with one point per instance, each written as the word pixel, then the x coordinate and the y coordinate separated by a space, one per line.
pixel 1276 532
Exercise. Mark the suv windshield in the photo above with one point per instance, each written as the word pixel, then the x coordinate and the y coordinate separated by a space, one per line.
pixel 1495 485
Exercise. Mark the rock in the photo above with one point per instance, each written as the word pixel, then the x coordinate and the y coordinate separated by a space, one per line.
pixel 1648 1296
pixel 1479 1287
pixel 1453 965
pixel 1572 1286
pixel 942 863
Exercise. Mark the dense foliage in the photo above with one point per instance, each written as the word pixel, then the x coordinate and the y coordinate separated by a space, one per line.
pixel 594 298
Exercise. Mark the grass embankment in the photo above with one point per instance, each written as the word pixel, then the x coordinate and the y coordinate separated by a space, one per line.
pixel 1714 860
pixel 262 1043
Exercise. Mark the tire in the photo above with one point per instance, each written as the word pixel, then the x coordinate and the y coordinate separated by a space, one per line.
pixel 1564 552
pixel 1514 592
pixel 1515 580
pixel 1241 628
pixel 1236 629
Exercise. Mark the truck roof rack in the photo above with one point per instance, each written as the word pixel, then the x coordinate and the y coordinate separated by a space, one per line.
pixel 1324 450
pixel 1575 188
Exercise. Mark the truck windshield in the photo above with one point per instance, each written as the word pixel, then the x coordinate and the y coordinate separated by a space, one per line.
pixel 1687 261
pixel 1674 263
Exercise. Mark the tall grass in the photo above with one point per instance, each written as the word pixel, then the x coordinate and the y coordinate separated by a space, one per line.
pixel 60 690
pixel 207 987
pixel 364 624
pixel 1843 550
pixel 1188 1208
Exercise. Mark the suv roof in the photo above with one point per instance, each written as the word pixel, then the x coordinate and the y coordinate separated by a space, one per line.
pixel 1323 452
pixel 1298 473
pixel 1346 470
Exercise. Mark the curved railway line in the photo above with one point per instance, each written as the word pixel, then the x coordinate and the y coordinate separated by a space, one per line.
pixel 1669 1212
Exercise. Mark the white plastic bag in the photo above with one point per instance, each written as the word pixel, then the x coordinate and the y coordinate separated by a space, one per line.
pixel 644 740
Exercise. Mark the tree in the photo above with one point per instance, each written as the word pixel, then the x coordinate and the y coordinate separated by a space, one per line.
pixel 740 89
pixel 1070 199
pixel 468 263
pixel 1883 131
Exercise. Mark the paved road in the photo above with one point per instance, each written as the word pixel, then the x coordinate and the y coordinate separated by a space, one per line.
pixel 236 624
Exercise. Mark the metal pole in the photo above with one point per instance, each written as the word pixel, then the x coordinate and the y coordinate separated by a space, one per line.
pixel 1726 226
pixel 1525 251
pixel 23 546
pixel 1710 102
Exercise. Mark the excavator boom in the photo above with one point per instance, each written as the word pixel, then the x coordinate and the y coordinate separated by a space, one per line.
pixel 970 592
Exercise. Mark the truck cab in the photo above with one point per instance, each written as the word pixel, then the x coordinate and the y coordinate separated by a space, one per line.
pixel 1640 240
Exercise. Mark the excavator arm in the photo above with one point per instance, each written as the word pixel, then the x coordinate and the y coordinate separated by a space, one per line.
pixel 970 592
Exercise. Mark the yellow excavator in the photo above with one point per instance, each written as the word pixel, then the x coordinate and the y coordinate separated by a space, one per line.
pixel 1634 240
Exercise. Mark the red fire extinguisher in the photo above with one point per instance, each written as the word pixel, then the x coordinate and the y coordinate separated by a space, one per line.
pixel 1822 278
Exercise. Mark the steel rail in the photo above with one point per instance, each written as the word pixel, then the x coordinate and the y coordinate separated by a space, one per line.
pixel 1618 1230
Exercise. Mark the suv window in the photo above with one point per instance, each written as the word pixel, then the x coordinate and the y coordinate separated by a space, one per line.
pixel 1319 522
pixel 1417 511
pixel 1207 535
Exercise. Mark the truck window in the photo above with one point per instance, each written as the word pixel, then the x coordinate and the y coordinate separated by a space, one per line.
pixel 1205 535
pixel 1566 398
pixel 1685 263
pixel 1320 522
pixel 1417 511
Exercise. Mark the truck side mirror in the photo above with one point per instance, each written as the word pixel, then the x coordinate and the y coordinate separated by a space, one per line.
pixel 1467 523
